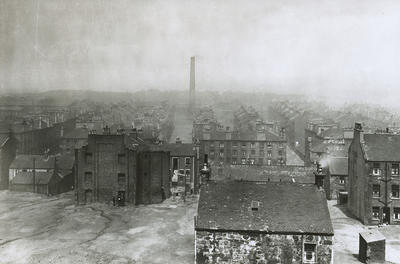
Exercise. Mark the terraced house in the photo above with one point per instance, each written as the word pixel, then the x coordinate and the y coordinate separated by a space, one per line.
pixel 242 222
pixel 374 178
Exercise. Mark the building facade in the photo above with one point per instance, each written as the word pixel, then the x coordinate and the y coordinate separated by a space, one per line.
pixel 374 178
pixel 110 168
pixel 271 226
pixel 8 147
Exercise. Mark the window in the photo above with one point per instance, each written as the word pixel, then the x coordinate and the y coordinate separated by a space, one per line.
pixel 253 152
pixel 395 191
pixel 221 145
pixel 187 161
pixel 234 161
pixel 212 145
pixel 175 163
pixel 376 190
pixel 88 157
pixel 269 153
pixel 375 212
pixel 234 152
pixel 88 177
pixel 244 145
pixel 121 158
pixel 280 152
pixel 309 253
pixel 395 169
pixel 396 213
pixel 221 154
pixel 342 180
pixel 260 161
pixel 281 161
pixel 243 161
pixel 376 169
pixel 221 150
pixel 261 145
pixel 269 145
pixel 121 178
pixel 252 161
pixel 261 152
pixel 234 144
pixel 244 153
pixel 252 145
pixel 269 162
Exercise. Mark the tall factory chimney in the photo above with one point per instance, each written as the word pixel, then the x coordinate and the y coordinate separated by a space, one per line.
pixel 192 95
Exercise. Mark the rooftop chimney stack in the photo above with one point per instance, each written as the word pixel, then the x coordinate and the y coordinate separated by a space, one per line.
pixel 192 95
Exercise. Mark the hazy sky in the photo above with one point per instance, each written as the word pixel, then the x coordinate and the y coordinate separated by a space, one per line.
pixel 336 47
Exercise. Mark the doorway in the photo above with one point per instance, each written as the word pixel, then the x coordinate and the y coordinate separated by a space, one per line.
pixel 88 196
pixel 386 215
pixel 121 198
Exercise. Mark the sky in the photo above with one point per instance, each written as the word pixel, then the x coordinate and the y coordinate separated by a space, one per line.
pixel 343 49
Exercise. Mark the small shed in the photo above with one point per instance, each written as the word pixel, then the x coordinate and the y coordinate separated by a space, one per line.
pixel 372 247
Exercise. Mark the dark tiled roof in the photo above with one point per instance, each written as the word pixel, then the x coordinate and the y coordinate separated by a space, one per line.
pixel 3 139
pixel 25 161
pixel 27 177
pixel 78 133
pixel 178 149
pixel 338 165
pixel 285 208
pixel 381 147
pixel 333 133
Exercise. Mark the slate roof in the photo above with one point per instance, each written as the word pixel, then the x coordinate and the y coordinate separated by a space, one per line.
pixel 77 133
pixel 178 149
pixel 284 208
pixel 381 147
pixel 338 166
pixel 333 133
pixel 25 161
pixel 27 177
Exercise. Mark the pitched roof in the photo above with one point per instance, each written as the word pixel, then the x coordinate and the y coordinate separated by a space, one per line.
pixel 284 208
pixel 338 165
pixel 27 177
pixel 77 133
pixel 25 161
pixel 178 149
pixel 333 133
pixel 381 147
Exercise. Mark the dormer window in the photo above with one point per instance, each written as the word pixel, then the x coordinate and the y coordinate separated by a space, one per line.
pixel 255 205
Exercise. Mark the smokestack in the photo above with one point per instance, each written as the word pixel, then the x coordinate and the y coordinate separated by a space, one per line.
pixel 192 95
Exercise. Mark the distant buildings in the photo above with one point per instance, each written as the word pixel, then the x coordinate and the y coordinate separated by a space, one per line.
pixel 114 168
pixel 43 174
pixel 262 223
pixel 252 144
pixel 374 178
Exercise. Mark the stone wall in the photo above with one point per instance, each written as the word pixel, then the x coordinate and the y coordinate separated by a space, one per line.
pixel 258 248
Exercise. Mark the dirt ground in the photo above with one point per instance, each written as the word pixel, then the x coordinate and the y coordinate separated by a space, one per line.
pixel 38 229
pixel 347 231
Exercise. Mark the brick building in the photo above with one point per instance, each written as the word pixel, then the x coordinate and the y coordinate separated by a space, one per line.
pixel 241 222
pixel 184 162
pixel 113 167
pixel 8 147
pixel 374 178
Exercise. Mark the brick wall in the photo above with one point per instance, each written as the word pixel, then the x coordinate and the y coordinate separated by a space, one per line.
pixel 257 248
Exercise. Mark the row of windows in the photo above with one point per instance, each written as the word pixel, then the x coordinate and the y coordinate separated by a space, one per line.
pixel 376 190
pixel 376 170
pixel 88 178
pixel 396 213
pixel 245 145
pixel 244 153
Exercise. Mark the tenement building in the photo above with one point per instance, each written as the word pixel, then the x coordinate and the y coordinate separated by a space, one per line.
pixel 374 178
pixel 240 222
pixel 113 168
